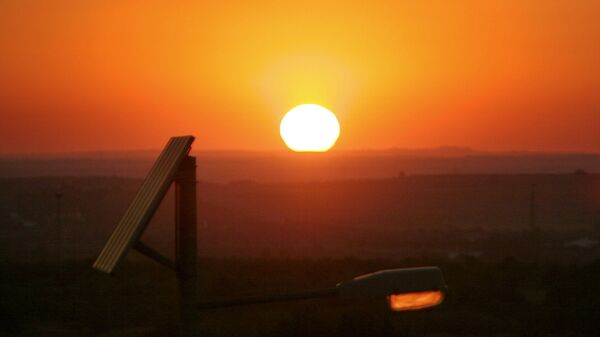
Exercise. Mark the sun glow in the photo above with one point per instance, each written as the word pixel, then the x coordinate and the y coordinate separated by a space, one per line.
pixel 309 128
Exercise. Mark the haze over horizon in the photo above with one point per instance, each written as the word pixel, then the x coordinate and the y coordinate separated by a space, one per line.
pixel 438 151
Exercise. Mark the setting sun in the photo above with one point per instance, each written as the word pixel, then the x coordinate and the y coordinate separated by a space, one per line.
pixel 309 128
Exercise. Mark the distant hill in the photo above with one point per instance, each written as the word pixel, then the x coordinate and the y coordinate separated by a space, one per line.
pixel 226 166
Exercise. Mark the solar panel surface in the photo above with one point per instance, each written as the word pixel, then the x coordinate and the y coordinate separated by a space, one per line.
pixel 144 204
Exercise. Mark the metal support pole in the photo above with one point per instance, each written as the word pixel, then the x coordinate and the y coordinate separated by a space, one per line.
pixel 532 224
pixel 58 196
pixel 154 255
pixel 185 213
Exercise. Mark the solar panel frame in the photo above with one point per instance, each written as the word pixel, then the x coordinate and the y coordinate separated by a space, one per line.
pixel 144 204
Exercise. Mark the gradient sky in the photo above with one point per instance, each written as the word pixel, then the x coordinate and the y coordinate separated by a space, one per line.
pixel 116 75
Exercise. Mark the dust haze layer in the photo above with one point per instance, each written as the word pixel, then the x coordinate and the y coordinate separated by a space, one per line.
pixel 283 166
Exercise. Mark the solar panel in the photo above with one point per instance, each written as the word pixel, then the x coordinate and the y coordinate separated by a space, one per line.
pixel 144 204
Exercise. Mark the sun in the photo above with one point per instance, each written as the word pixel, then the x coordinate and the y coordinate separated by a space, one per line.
pixel 309 128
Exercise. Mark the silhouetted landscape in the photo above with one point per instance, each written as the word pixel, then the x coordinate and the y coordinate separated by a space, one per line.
pixel 519 251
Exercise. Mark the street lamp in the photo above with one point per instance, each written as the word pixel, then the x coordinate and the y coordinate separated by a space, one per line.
pixel 405 289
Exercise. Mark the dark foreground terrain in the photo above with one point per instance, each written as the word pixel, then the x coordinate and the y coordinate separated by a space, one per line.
pixel 507 298
pixel 520 255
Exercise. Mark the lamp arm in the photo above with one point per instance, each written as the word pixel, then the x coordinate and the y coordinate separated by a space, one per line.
pixel 271 298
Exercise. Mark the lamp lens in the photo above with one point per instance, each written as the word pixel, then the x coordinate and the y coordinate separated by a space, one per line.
pixel 415 301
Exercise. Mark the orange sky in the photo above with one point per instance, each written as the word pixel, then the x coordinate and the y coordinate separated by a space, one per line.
pixel 505 75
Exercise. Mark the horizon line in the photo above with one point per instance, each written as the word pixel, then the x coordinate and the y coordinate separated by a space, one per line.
pixel 459 151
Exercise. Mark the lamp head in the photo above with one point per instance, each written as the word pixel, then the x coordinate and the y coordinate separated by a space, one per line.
pixel 405 288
